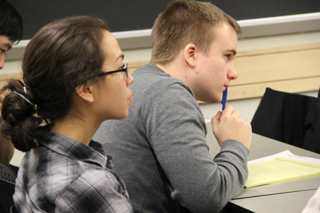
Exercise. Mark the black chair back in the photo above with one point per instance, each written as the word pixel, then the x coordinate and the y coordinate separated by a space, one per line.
pixel 290 118
pixel 7 186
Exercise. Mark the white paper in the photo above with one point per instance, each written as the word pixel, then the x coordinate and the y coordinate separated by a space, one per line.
pixel 287 154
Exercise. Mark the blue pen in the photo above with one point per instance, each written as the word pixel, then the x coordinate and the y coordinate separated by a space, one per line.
pixel 224 98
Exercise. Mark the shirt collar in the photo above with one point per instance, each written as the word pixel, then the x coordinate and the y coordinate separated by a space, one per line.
pixel 75 149
pixel 154 68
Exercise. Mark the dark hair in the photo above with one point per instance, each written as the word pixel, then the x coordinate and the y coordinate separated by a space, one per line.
pixel 10 21
pixel 61 56
pixel 184 22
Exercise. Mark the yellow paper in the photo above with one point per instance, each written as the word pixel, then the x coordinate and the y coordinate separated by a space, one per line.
pixel 278 170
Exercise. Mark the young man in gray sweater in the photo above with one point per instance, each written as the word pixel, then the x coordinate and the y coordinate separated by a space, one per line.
pixel 160 149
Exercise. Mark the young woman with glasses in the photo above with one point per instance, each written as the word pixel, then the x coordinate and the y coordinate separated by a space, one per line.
pixel 74 79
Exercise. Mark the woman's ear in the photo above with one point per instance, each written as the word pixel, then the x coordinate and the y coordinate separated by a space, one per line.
pixel 85 92
pixel 190 54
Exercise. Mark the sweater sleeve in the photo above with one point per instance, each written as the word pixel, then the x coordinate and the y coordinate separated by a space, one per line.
pixel 177 135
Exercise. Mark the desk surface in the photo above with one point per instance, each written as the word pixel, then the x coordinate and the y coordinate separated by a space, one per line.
pixel 277 203
pixel 288 196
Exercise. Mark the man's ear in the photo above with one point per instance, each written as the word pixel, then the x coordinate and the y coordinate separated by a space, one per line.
pixel 190 54
pixel 85 92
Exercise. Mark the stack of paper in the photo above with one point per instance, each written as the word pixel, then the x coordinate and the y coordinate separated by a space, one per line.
pixel 280 167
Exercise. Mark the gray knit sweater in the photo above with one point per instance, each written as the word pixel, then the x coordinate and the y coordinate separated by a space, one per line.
pixel 160 151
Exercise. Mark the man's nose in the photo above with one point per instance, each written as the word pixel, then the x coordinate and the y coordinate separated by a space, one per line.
pixel 232 73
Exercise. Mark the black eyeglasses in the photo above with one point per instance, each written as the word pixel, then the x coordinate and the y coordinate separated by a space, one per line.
pixel 124 69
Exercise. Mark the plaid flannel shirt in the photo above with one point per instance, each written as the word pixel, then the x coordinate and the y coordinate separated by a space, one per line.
pixel 64 175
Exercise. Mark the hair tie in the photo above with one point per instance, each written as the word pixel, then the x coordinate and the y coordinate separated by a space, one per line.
pixel 22 96
pixel 23 86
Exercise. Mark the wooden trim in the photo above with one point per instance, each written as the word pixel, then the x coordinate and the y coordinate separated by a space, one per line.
pixel 290 69
pixel 278 50
pixel 257 90
pixel 5 77
pixel 277 66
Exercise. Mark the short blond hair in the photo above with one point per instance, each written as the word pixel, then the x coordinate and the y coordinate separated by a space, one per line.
pixel 184 22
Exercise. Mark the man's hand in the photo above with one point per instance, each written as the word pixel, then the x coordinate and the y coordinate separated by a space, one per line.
pixel 228 125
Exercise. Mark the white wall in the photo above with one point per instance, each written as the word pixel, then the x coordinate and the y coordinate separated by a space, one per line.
pixel 246 107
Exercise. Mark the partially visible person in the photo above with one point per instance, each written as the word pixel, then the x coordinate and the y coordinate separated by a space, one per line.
pixel 74 80
pixel 11 28
pixel 160 150
pixel 313 205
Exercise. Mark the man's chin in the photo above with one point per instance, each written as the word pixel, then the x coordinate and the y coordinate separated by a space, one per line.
pixel 208 100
